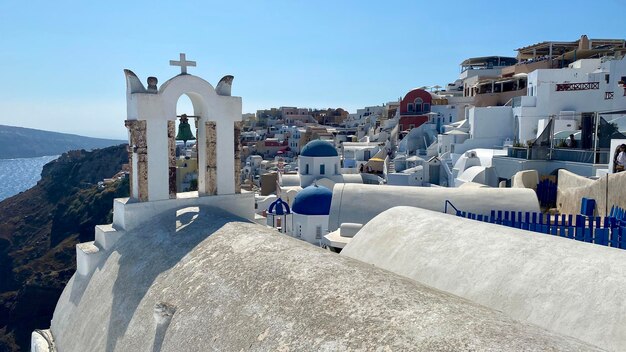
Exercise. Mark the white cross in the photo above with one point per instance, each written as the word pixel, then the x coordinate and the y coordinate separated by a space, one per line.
pixel 183 63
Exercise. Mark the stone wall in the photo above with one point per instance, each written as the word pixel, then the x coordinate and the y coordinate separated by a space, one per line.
pixel 138 155
pixel 607 191
pixel 211 158
pixel 171 157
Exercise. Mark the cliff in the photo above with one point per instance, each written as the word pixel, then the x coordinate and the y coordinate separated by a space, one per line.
pixel 18 142
pixel 38 231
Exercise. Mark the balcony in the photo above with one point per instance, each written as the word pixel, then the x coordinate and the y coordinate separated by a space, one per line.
pixel 519 153
pixel 560 154
pixel 567 87
pixel 580 156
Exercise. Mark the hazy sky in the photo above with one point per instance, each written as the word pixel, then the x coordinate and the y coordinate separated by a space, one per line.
pixel 61 62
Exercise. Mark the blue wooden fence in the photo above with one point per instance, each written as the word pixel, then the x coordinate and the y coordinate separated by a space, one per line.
pixel 607 231
pixel 546 193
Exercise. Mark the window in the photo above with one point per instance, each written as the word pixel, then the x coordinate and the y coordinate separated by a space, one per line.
pixel 318 233
pixel 409 107
pixel 606 78
pixel 322 169
pixel 336 169
pixel 418 105
pixel 426 107
pixel 306 169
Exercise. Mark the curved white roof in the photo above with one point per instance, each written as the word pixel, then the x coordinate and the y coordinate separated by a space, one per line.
pixel 227 285
pixel 571 287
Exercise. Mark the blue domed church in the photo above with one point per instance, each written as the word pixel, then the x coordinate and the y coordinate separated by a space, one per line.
pixel 318 159
pixel 278 214
pixel 319 169
pixel 310 211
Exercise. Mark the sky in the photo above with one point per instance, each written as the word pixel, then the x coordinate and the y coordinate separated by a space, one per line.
pixel 61 62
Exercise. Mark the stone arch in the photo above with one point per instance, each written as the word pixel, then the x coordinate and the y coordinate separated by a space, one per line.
pixel 219 115
pixel 198 91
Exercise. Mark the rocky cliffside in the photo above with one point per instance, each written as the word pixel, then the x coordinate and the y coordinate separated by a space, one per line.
pixel 38 231
pixel 19 142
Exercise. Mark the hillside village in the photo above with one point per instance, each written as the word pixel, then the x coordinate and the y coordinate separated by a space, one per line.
pixel 487 214
pixel 504 122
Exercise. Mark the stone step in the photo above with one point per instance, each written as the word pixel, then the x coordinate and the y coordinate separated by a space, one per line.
pixel 107 236
pixel 87 257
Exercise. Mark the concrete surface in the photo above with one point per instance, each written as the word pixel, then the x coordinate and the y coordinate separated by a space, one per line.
pixel 218 283
pixel 609 190
pixel 526 179
pixel 567 286
pixel 128 214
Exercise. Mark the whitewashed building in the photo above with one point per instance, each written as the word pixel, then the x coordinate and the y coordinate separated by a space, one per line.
pixel 310 209
pixel 355 154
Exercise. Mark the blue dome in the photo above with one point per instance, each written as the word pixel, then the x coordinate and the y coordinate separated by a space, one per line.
pixel 313 200
pixel 319 148
pixel 279 207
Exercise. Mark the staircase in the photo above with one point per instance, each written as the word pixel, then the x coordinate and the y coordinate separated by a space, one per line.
pixel 391 167
pixel 88 254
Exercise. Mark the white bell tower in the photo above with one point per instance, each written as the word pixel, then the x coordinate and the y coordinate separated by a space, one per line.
pixel 151 121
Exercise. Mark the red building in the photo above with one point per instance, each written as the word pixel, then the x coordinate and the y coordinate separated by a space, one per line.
pixel 414 108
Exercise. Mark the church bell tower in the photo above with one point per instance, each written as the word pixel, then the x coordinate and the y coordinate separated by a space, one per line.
pixel 151 121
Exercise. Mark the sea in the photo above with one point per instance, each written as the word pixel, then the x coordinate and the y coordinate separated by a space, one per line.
pixel 18 175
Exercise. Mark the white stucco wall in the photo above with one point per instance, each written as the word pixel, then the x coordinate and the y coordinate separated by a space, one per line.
pixel 332 168
pixel 567 286
pixel 542 87
pixel 127 215
pixel 159 108
pixel 412 177
pixel 491 122
pixel 477 174
pixel 355 203
pixel 305 227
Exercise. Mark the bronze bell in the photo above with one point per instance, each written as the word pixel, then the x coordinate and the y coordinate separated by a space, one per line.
pixel 184 130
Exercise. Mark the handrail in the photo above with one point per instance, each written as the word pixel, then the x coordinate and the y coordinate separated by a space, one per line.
pixel 445 207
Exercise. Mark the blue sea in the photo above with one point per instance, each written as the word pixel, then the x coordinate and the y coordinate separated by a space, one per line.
pixel 17 175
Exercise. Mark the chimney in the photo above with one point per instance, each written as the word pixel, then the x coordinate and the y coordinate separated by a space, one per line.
pixel 583 43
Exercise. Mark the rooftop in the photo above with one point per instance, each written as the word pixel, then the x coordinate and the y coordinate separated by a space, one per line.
pixel 489 61
pixel 319 148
